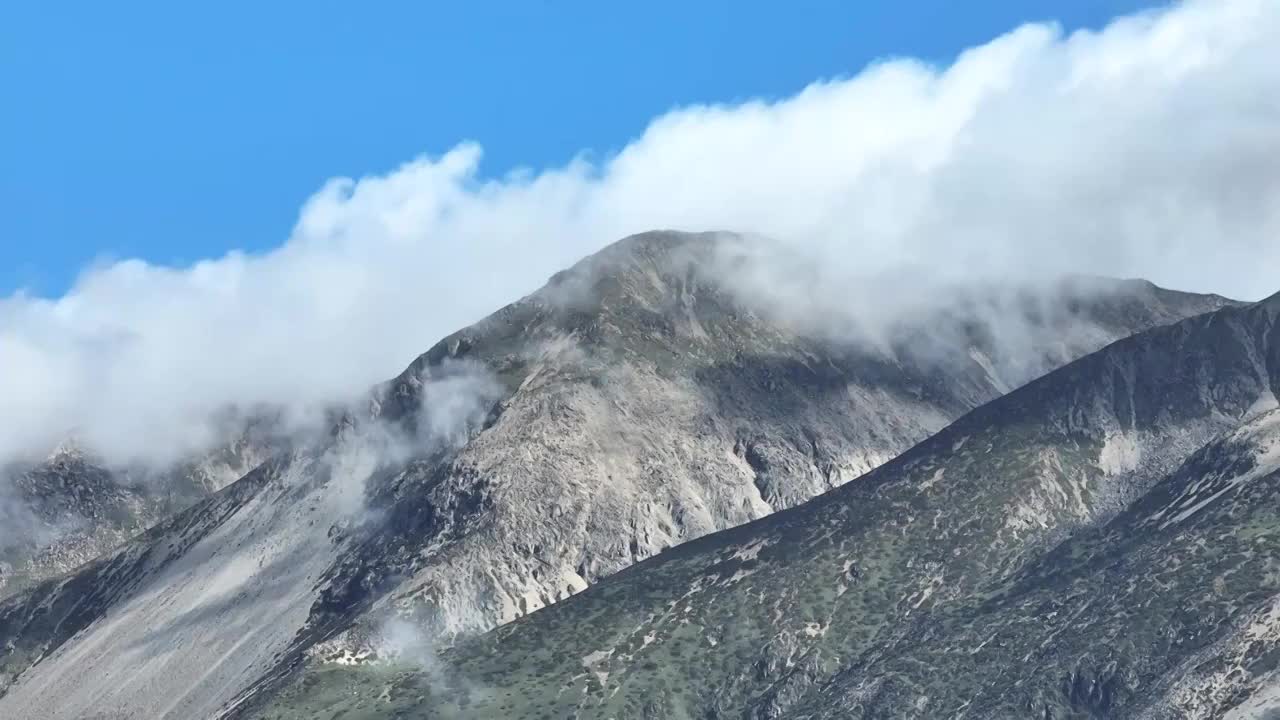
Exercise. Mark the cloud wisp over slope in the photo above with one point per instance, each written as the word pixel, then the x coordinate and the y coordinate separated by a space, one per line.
pixel 1150 148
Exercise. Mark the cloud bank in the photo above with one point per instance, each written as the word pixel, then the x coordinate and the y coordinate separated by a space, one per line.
pixel 1150 148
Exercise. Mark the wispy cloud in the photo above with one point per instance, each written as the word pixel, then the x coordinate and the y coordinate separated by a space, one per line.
pixel 1151 148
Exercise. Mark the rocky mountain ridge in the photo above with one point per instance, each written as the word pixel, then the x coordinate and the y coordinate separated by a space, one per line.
pixel 1097 543
pixel 632 405
pixel 74 507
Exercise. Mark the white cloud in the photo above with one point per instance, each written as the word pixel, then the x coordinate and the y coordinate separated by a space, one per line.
pixel 1149 149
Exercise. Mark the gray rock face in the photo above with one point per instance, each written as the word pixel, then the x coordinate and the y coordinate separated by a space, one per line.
pixel 71 508
pixel 672 409
pixel 637 402
pixel 1098 543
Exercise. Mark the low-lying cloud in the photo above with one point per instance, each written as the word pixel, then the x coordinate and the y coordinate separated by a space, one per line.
pixel 1151 148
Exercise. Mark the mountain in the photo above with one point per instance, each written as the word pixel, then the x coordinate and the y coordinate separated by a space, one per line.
pixel 638 401
pixel 1099 543
pixel 72 507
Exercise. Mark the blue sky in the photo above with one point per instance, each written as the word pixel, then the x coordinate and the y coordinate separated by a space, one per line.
pixel 1148 149
pixel 177 131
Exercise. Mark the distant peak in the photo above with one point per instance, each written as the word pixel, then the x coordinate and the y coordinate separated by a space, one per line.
pixel 1272 303
pixel 68 449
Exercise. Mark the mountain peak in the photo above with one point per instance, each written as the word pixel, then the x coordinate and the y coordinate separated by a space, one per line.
pixel 70 448
pixel 1271 303
pixel 657 244
pixel 648 396
pixel 648 261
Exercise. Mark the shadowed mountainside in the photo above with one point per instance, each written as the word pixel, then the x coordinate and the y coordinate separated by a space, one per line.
pixel 633 404
pixel 1098 543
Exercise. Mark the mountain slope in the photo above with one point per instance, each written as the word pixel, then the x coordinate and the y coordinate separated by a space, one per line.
pixel 72 507
pixel 932 586
pixel 1166 611
pixel 633 404
pixel 672 409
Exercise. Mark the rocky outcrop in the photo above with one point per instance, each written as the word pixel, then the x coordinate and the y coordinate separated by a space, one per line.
pixel 1098 543
pixel 73 507
pixel 636 403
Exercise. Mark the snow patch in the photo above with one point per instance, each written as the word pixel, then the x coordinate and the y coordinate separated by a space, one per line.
pixel 933 479
pixel 596 662
pixel 1265 403
pixel 1262 435
pixel 1120 453
pixel 813 630
pixel 751 551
